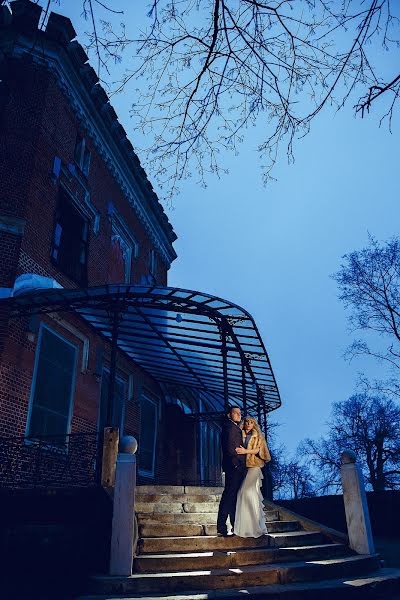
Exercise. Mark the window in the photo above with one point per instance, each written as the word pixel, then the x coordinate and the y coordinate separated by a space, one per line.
pixel 53 385
pixel 70 240
pixel 210 453
pixel 148 436
pixel 153 263
pixel 118 416
pixel 124 247
pixel 82 155
pixel 120 258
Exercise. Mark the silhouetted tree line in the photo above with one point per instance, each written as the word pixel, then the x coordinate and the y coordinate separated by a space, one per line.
pixel 369 421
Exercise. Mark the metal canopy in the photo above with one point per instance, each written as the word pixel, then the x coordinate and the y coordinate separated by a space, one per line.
pixel 189 341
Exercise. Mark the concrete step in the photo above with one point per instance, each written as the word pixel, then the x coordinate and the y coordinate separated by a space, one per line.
pixel 199 542
pixel 160 530
pixel 383 584
pixel 217 559
pixel 176 507
pixel 272 527
pixel 295 538
pixel 153 529
pixel 178 489
pixel 282 526
pixel 280 573
pixel 196 489
pixel 182 498
pixel 199 518
pixel 160 489
pixel 158 507
pixel 201 507
pixel 272 515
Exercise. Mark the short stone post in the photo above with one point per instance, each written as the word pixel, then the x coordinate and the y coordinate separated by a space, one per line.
pixel 123 521
pixel 109 456
pixel 355 505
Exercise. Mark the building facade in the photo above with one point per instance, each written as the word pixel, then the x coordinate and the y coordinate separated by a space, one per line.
pixel 76 211
pixel 91 336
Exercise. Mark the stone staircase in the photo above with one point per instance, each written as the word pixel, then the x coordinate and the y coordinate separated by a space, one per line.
pixel 179 556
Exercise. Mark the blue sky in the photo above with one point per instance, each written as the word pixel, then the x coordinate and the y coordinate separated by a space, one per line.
pixel 272 249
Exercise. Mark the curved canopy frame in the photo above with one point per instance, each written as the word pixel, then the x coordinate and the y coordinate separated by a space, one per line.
pixel 187 340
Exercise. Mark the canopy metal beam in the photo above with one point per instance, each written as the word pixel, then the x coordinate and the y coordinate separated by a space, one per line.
pixel 217 351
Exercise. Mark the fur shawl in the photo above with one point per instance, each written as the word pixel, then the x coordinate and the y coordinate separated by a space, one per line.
pixel 263 456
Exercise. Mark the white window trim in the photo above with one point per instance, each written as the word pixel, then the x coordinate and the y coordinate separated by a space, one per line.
pixel 120 228
pixel 85 207
pixel 156 404
pixel 79 335
pixel 80 162
pixel 153 262
pixel 34 376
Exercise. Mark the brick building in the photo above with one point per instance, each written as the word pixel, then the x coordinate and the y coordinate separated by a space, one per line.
pixel 75 207
pixel 77 212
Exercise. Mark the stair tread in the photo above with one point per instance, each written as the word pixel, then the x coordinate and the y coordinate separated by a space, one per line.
pixel 297 533
pixel 222 551
pixel 336 585
pixel 245 569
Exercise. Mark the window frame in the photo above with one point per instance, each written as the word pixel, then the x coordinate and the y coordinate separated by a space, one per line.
pixel 63 193
pixel 84 153
pixel 42 327
pixel 120 228
pixel 126 384
pixel 153 263
pixel 148 398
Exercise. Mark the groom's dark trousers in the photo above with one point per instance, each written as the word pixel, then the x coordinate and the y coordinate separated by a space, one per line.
pixel 234 466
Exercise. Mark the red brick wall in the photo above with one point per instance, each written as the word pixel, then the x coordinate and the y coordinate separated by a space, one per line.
pixel 39 125
pixel 9 252
pixel 46 127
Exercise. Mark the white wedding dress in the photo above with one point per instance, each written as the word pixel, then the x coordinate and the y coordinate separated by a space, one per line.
pixel 249 517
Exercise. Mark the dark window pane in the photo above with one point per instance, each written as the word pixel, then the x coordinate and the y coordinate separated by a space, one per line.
pixel 78 150
pixel 118 404
pixel 86 162
pixel 70 240
pixel 53 386
pixel 148 431
pixel 44 422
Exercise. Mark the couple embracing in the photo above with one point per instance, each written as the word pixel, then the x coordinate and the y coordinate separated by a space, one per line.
pixel 244 453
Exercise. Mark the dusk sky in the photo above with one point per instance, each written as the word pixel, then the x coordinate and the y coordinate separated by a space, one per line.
pixel 272 249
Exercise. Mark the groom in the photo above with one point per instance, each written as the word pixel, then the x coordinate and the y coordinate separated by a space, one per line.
pixel 234 467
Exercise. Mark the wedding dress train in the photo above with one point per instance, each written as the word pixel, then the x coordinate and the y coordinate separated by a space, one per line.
pixel 250 518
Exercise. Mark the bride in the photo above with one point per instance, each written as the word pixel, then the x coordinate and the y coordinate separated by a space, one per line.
pixel 250 519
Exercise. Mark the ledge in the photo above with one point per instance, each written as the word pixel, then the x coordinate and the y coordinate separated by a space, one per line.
pixel 308 524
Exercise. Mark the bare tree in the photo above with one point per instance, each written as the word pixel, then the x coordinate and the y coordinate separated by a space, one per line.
pixel 299 481
pixel 213 68
pixel 277 468
pixel 370 426
pixel 216 67
pixel 290 477
pixel 369 284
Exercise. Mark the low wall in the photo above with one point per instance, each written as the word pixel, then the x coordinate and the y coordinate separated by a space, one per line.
pixel 384 508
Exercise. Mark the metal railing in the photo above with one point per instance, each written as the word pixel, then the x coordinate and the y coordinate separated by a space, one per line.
pixel 53 461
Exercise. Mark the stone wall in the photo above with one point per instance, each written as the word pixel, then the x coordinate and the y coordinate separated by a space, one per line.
pixel 384 509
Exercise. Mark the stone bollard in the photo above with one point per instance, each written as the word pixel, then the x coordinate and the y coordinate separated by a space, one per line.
pixel 123 521
pixel 355 505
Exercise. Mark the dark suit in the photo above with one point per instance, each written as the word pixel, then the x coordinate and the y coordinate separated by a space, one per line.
pixel 234 466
